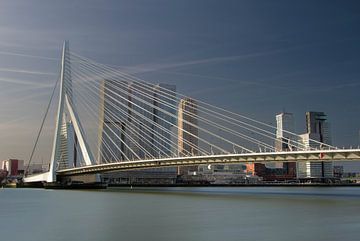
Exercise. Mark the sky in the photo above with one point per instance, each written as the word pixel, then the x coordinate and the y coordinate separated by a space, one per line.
pixel 257 58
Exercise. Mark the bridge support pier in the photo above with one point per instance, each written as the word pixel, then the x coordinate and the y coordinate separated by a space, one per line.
pixel 87 181
pixel 87 178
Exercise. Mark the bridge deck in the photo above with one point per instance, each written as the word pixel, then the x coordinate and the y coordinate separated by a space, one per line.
pixel 317 155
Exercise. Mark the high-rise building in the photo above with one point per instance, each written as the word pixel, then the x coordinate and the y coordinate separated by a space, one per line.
pixel 318 127
pixel 67 145
pixel 135 124
pixel 165 120
pixel 187 127
pixel 112 118
pixel 318 133
pixel 284 125
pixel 187 132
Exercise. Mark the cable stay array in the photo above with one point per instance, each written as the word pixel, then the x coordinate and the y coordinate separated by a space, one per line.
pixel 108 116
pixel 125 118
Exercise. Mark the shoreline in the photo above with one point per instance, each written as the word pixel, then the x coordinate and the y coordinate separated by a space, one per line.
pixel 242 185
pixel 104 186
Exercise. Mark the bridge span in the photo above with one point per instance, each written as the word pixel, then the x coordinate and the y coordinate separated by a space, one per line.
pixel 296 156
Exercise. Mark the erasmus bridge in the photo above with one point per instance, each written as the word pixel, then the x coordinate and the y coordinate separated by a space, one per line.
pixel 108 120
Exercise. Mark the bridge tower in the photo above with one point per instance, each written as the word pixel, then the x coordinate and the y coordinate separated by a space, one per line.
pixel 69 133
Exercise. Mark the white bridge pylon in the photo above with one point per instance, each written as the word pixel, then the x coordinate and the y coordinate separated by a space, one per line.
pixel 67 129
pixel 65 104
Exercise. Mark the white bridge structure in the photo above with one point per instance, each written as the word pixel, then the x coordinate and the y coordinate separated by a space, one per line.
pixel 108 120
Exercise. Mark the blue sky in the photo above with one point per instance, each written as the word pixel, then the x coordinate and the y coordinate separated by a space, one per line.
pixel 252 57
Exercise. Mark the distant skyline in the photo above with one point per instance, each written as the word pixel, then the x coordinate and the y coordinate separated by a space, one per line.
pixel 256 58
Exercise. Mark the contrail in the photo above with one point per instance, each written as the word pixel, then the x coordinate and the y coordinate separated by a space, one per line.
pixel 7 44
pixel 30 97
pixel 22 71
pixel 22 82
pixel 28 55
pixel 340 86
pixel 12 121
pixel 157 67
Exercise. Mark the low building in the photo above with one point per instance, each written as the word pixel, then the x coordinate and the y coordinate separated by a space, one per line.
pixel 224 174
pixel 3 175
pixel 338 171
pixel 14 167
pixel 284 173
pixel 138 177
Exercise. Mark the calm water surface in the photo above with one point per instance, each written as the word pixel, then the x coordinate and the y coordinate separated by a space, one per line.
pixel 247 213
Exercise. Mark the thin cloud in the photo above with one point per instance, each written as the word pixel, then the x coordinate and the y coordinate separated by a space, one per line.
pixel 12 122
pixel 312 90
pixel 340 86
pixel 23 82
pixel 214 89
pixel 24 90
pixel 28 55
pixel 232 81
pixel 157 67
pixel 30 98
pixel 161 66
pixel 8 44
pixel 23 71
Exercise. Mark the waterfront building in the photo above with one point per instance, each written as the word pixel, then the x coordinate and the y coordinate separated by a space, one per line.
pixel 338 171
pixel 317 124
pixel 318 133
pixel 136 121
pixel 224 174
pixel 14 167
pixel 285 125
pixel 3 175
pixel 165 124
pixel 187 127
pixel 67 146
pixel 131 121
pixel 287 172
pixel 114 119
pixel 187 132
pixel 37 168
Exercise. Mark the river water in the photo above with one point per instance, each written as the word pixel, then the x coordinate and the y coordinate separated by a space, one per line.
pixel 164 214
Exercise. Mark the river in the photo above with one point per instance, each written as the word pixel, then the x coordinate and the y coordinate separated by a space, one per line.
pixel 164 214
